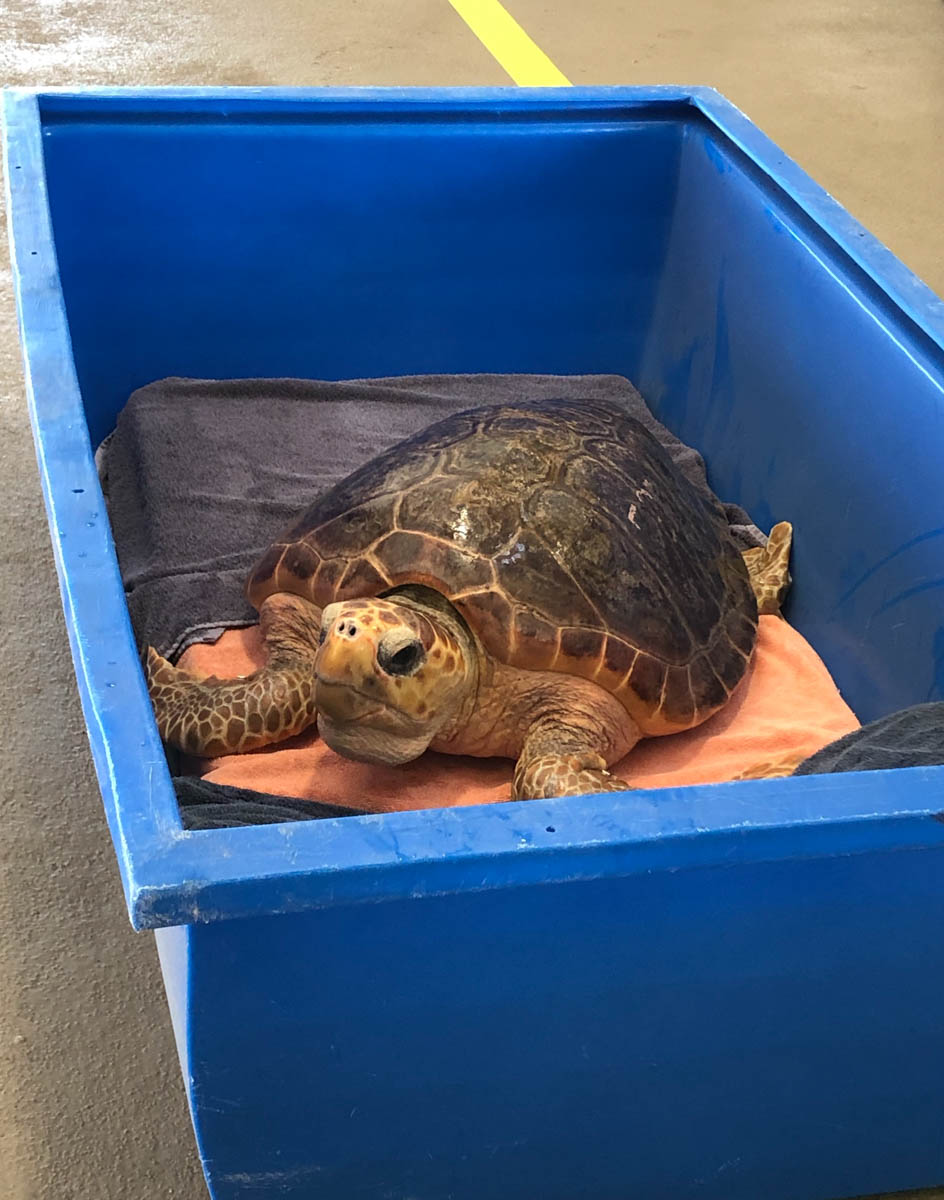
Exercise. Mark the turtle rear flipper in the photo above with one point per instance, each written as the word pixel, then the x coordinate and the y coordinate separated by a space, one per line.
pixel 769 569
pixel 210 717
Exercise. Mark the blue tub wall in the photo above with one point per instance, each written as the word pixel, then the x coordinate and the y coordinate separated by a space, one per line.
pixel 652 231
pixel 774 355
pixel 765 1029
pixel 338 244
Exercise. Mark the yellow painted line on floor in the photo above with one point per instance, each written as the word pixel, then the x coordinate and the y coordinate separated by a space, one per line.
pixel 506 41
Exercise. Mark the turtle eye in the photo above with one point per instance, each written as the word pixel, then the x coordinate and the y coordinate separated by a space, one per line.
pixel 322 634
pixel 404 661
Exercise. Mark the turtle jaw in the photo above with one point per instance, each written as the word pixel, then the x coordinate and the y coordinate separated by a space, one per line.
pixel 363 728
pixel 364 742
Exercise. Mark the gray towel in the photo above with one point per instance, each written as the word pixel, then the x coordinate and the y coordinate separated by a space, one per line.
pixel 200 475
pixel 912 737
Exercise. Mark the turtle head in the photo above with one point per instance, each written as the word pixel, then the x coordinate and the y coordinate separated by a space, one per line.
pixel 389 675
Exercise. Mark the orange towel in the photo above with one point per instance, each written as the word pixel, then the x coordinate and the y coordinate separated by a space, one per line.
pixel 785 709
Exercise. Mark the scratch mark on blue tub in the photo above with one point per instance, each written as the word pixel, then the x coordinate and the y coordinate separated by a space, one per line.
pixel 882 562
pixel 716 155
pixel 264 1178
pixel 928 586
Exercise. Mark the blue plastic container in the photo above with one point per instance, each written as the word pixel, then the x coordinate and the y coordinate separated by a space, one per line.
pixel 730 991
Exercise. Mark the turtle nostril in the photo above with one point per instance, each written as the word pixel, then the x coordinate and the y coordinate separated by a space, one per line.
pixel 404 661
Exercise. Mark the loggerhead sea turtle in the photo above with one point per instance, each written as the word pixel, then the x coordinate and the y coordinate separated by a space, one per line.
pixel 535 581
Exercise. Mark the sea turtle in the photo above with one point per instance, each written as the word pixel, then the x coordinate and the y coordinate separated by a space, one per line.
pixel 535 581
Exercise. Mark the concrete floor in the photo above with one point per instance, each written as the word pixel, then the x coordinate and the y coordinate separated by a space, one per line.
pixel 91 1104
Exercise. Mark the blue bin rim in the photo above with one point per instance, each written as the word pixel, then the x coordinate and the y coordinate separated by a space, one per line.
pixel 172 876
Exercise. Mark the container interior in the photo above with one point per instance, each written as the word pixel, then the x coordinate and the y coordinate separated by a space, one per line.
pixel 342 242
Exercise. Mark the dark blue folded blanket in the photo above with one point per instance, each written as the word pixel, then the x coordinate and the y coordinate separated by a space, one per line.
pixel 913 737
pixel 209 806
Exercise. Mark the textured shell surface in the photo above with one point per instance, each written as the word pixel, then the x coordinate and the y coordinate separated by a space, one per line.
pixel 564 535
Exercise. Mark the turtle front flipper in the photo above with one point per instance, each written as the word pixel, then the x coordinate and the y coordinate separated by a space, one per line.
pixel 772 768
pixel 567 748
pixel 210 717
pixel 540 778
pixel 769 569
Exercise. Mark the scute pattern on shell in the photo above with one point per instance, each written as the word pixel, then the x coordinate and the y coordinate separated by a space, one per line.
pixel 566 537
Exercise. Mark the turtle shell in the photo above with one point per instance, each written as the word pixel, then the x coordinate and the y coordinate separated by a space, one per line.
pixel 564 535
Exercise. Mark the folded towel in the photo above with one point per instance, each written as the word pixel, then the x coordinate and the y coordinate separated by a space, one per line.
pixel 787 706
pixel 206 805
pixel 912 737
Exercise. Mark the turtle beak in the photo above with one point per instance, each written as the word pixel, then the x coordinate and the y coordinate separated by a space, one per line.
pixel 363 664
pixel 383 680
pixel 362 651
pixel 359 675
pixel 345 673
